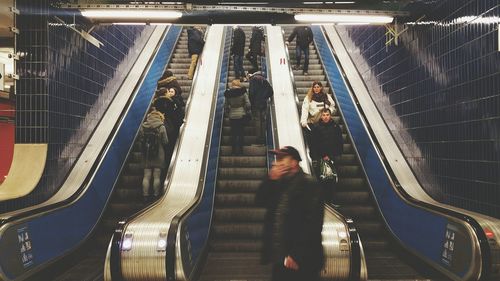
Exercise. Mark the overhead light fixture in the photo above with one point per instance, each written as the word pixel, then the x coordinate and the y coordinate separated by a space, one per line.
pixel 131 14
pixel 344 2
pixel 337 18
pixel 140 23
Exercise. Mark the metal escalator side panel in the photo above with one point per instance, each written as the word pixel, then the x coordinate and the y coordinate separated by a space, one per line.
pixel 145 259
pixel 195 225
pixel 425 231
pixel 335 233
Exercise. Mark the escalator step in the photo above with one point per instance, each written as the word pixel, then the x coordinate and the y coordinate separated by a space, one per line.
pixel 237 246
pixel 346 197
pixel 351 184
pixel 238 185
pixel 242 173
pixel 247 140
pixel 349 171
pixel 242 161
pixel 363 212
pixel 234 199
pixel 252 150
pixel 240 214
pixel 238 231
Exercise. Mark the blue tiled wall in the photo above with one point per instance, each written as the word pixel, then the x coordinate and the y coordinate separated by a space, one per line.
pixel 65 85
pixel 439 92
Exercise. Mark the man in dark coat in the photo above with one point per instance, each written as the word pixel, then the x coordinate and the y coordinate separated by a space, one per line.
pixel 294 219
pixel 259 93
pixel 255 47
pixel 195 46
pixel 304 38
pixel 238 50
pixel 327 138
pixel 327 144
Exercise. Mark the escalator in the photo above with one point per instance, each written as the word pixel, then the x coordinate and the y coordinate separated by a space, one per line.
pixel 196 233
pixel 385 258
pixel 237 227
pixel 86 263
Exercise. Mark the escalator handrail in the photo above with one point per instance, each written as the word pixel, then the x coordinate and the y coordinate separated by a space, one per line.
pixel 474 224
pixel 161 205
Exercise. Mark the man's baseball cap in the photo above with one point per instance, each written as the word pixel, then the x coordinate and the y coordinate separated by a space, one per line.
pixel 287 151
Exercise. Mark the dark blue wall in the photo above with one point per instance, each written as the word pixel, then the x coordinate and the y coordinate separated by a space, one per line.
pixel 439 92
pixel 65 85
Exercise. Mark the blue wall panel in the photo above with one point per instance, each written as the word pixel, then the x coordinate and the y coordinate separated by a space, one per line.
pixel 439 92
pixel 65 86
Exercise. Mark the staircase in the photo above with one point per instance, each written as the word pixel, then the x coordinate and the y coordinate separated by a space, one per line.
pixel 237 225
pixel 88 263
pixel 386 260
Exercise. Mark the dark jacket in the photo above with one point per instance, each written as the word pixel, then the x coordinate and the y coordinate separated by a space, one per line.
pixel 172 108
pixel 155 161
pixel 327 140
pixel 237 102
pixel 304 36
pixel 259 91
pixel 195 41
pixel 256 40
pixel 171 82
pixel 238 47
pixel 294 220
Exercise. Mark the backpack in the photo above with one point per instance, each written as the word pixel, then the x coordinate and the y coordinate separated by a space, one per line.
pixel 151 142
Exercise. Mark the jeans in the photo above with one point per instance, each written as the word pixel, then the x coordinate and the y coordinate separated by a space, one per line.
pixel 298 54
pixel 147 179
pixel 238 66
pixel 192 67
pixel 252 57
pixel 237 130
pixel 260 116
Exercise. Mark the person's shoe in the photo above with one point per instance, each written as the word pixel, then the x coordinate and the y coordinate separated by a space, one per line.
pixel 305 73
pixel 296 67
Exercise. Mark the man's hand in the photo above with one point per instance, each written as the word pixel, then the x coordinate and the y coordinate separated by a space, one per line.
pixel 290 263
pixel 286 43
pixel 277 172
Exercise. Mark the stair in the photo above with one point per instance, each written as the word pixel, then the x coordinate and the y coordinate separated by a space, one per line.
pixel 386 260
pixel 237 226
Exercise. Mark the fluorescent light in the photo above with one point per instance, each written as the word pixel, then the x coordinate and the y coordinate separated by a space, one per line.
pixel 343 18
pixel 353 23
pixel 131 14
pixel 344 2
pixel 140 23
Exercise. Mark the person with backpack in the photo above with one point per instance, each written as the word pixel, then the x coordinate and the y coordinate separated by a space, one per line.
pixel 195 47
pixel 259 93
pixel 152 139
pixel 238 106
pixel 327 145
pixel 304 38
pixel 238 50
